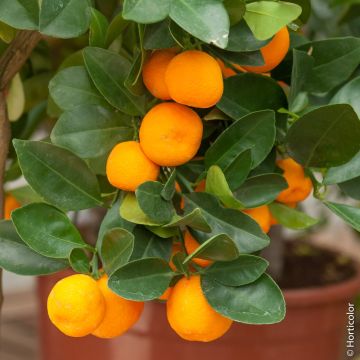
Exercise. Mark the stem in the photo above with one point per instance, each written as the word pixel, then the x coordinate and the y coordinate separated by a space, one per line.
pixel 11 62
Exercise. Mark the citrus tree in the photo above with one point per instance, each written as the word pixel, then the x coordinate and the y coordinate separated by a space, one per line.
pixel 196 125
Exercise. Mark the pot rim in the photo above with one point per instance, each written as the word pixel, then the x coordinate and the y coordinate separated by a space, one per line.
pixel 339 292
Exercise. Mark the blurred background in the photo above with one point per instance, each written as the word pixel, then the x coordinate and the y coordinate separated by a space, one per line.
pixel 19 337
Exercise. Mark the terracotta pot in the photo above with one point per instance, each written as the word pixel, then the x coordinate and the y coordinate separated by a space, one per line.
pixel 314 329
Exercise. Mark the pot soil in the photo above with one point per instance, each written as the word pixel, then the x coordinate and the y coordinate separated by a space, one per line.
pixel 318 286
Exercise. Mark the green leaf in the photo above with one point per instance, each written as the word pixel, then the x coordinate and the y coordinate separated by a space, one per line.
pixel 342 173
pixel 17 257
pixel 217 185
pixel 244 231
pixel 7 33
pixel 193 219
pixel 168 190
pixel 266 18
pixel 115 29
pixel 242 271
pixel 152 203
pixel 158 36
pixel 350 214
pixel 109 71
pixel 260 302
pixel 98 29
pixel 317 138
pixel 261 189
pixel 134 82
pixel 141 280
pixel 96 136
pixel 25 195
pixel 79 261
pixel 252 58
pixel 291 218
pixel 131 211
pixel 335 60
pixel 57 175
pixel 349 94
pixel 246 93
pixel 219 248
pixel 238 170
pixel 351 188
pixel 72 87
pixel 255 131
pixel 117 246
pixel 149 245
pixel 306 9
pixel 236 10
pixel 15 99
pixel 198 17
pixel 146 11
pixel 242 39
pixel 47 230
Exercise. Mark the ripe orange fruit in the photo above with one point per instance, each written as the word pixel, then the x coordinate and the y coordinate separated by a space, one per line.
pixel 154 73
pixel 262 216
pixel 10 204
pixel 128 167
pixel 273 52
pixel 228 71
pixel 299 185
pixel 190 315
pixel 120 314
pixel 191 245
pixel 166 294
pixel 76 305
pixel 194 78
pixel 170 134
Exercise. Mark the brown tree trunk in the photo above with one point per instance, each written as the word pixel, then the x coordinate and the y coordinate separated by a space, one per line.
pixel 11 62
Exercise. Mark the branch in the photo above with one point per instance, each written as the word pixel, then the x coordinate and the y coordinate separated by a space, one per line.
pixel 11 62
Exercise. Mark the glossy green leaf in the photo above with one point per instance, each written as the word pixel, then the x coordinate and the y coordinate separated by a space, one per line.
pixel 47 230
pixel 349 94
pixel 115 29
pixel 255 131
pixel 246 93
pixel 7 32
pixel 91 131
pixel 252 58
pixel 242 271
pixel 266 18
pixel 109 71
pixel 152 203
pixel 351 188
pixel 163 232
pixel 335 60
pixel 260 302
pixel 25 195
pixel 141 280
pixel 193 219
pixel 57 175
pixel 261 189
pixel 146 11
pixel 198 18
pixel 350 214
pixel 218 248
pixel 236 10
pixel 149 245
pixel 244 231
pixel 169 189
pixel 131 211
pixel 242 39
pixel 217 185
pixel 291 218
pixel 98 29
pixel 79 261
pixel 317 138
pixel 17 257
pixel 72 87
pixel 117 246
pixel 348 171
pixel 158 36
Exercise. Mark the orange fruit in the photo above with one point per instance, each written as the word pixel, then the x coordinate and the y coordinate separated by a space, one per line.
pixel 200 187
pixel 166 294
pixel 273 52
pixel 191 245
pixel 262 216
pixel 120 314
pixel 128 167
pixel 299 185
pixel 76 305
pixel 194 78
pixel 190 315
pixel 154 73
pixel 10 204
pixel 170 134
